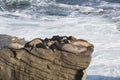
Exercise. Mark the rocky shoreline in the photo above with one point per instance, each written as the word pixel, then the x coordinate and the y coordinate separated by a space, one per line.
pixel 60 57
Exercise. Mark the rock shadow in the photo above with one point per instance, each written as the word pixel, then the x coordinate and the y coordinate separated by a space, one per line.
pixel 79 75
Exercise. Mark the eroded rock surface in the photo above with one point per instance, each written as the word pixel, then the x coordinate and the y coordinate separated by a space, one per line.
pixel 43 64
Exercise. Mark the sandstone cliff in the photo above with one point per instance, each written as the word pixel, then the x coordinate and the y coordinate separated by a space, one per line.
pixel 43 64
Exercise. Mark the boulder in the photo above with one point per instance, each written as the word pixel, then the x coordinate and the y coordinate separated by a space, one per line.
pixel 43 64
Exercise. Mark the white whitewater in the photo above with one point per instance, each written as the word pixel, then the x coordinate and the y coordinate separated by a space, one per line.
pixel 97 22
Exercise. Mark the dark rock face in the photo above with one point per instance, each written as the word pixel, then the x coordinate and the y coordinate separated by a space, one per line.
pixel 43 64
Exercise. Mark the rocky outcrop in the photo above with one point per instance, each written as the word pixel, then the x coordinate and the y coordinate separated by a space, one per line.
pixel 43 63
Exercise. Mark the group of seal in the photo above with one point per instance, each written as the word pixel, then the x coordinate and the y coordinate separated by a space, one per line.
pixel 73 45
pixel 64 43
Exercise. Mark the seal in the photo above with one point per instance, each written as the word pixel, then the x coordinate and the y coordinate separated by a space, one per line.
pixel 37 42
pixel 47 42
pixel 61 39
pixel 72 38
pixel 71 48
pixel 15 46
pixel 81 42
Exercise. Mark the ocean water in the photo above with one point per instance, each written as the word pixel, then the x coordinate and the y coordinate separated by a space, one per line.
pixel 97 21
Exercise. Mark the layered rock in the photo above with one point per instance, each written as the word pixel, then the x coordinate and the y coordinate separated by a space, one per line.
pixel 43 63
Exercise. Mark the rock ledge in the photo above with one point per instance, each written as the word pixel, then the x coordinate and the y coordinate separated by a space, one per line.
pixel 34 62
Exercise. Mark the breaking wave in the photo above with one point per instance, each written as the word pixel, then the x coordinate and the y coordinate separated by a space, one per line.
pixel 97 21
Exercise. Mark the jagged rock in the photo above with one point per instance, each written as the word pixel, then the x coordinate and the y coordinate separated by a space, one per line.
pixel 43 64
